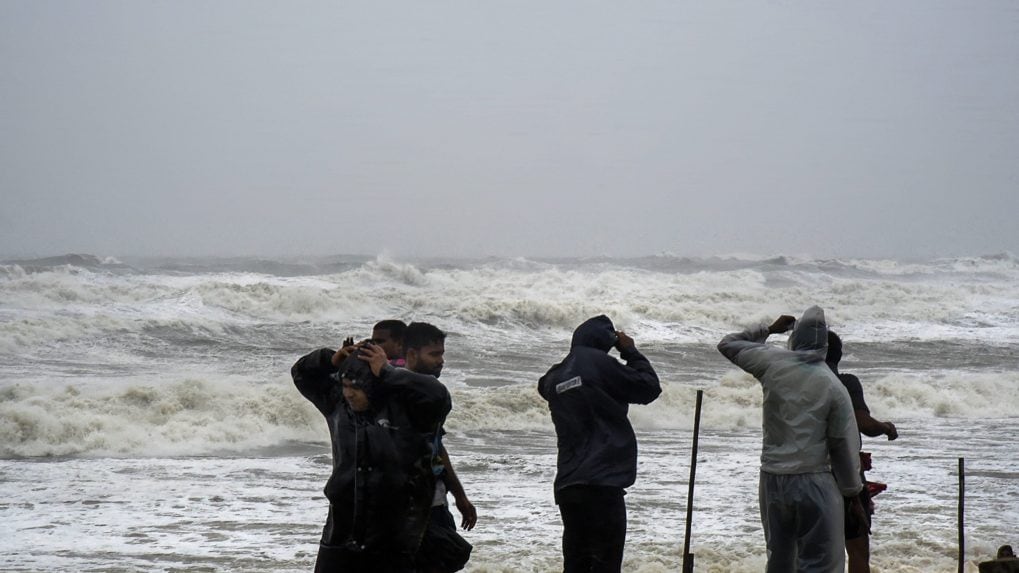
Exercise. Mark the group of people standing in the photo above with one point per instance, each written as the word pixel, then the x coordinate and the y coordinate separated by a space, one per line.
pixel 385 409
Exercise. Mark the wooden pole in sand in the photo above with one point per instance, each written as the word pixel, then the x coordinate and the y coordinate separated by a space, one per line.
pixel 687 556
pixel 962 507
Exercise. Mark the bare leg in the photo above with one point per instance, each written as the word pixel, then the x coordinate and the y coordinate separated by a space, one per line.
pixel 859 554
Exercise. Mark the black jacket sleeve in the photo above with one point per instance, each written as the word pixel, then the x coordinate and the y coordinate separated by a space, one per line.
pixel 312 376
pixel 425 398
pixel 639 381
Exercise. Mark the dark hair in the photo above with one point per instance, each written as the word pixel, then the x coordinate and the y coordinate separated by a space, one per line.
pixel 834 355
pixel 421 334
pixel 395 328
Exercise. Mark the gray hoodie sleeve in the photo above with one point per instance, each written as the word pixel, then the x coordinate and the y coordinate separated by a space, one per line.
pixel 747 349
pixel 844 442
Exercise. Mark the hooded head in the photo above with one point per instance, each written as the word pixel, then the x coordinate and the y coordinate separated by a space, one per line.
pixel 355 374
pixel 834 351
pixel 811 332
pixel 597 332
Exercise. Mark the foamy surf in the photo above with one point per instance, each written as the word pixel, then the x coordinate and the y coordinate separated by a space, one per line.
pixel 147 417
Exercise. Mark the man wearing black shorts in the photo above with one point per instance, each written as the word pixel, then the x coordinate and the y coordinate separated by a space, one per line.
pixel 857 530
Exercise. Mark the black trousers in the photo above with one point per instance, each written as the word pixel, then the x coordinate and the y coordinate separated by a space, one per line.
pixel 594 528
pixel 332 559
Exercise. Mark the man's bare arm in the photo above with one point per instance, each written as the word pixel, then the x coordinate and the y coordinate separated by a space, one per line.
pixel 873 428
pixel 468 514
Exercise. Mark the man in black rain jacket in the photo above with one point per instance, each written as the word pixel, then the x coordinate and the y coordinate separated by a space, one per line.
pixel 381 487
pixel 589 394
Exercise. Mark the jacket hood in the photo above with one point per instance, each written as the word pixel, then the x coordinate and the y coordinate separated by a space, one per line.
pixel 597 332
pixel 360 373
pixel 810 332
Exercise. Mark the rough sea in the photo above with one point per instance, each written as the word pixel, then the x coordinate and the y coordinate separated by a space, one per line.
pixel 148 421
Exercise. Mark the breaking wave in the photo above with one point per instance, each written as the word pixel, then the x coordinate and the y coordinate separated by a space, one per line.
pixel 195 417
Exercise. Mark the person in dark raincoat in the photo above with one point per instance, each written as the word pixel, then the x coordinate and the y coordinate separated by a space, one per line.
pixel 589 394
pixel 381 487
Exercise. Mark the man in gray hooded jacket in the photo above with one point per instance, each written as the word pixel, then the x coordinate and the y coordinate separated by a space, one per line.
pixel 589 394
pixel 809 459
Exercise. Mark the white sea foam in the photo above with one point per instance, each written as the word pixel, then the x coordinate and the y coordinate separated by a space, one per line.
pixel 219 415
pixel 508 320
pixel 186 417
pixel 201 416
pixel 673 304
pixel 734 402
pixel 112 368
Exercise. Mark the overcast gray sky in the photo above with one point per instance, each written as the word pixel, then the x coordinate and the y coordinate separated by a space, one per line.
pixel 473 128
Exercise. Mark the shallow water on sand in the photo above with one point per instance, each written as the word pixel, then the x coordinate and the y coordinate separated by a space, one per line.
pixel 265 513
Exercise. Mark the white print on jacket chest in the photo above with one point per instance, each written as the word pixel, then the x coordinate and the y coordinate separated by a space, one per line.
pixel 570 384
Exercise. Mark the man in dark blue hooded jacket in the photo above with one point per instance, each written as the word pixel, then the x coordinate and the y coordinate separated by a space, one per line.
pixel 589 394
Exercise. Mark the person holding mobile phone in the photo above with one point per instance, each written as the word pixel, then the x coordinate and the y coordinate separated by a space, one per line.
pixel 810 456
